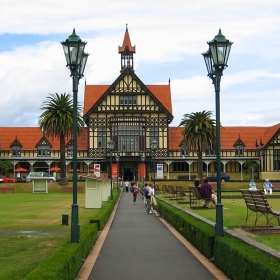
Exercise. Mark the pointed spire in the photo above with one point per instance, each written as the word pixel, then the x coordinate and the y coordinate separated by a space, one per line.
pixel 126 46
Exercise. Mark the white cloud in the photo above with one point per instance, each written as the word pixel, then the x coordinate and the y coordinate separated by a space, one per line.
pixel 170 35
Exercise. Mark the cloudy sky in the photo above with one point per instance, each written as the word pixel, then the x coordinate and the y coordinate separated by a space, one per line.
pixel 169 37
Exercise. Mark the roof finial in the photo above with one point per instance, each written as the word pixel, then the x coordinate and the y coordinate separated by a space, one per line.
pixel 126 27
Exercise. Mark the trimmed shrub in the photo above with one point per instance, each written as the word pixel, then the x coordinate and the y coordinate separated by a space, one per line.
pixel 65 262
pixel 240 261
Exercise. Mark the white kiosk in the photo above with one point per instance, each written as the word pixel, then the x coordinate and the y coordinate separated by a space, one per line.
pixel 40 181
pixel 93 193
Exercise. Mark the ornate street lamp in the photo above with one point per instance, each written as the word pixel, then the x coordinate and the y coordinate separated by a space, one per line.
pixel 76 60
pixel 111 146
pixel 154 146
pixel 142 159
pixel 216 61
pixel 118 160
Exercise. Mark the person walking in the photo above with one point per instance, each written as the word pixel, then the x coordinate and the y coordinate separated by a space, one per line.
pixel 148 199
pixel 135 192
pixel 126 185
pixel 144 192
pixel 153 191
pixel 267 186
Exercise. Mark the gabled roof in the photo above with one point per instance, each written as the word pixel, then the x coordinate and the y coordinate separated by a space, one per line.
pixel 93 93
pixel 16 143
pixel 239 142
pixel 126 46
pixel 248 134
pixel 30 136
pixel 175 137
pixel 230 135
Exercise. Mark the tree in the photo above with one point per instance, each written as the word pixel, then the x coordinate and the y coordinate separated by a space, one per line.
pixel 199 131
pixel 5 166
pixel 248 165
pixel 57 121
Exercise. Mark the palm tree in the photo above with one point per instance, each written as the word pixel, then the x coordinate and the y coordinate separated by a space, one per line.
pixel 57 121
pixel 199 132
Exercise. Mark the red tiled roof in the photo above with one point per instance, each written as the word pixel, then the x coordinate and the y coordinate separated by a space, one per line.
pixel 92 94
pixel 175 137
pixel 30 136
pixel 230 134
pixel 163 94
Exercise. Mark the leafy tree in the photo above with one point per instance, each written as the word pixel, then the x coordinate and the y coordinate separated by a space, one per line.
pixel 248 164
pixel 57 121
pixel 199 133
pixel 5 166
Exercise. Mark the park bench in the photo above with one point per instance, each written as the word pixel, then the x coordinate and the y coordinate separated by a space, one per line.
pixel 158 189
pixel 256 203
pixel 70 189
pixel 186 177
pixel 165 190
pixel 181 195
pixel 195 197
pixel 7 189
pixel 172 192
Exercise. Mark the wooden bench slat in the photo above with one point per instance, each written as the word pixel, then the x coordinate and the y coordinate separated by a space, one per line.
pixel 70 189
pixel 195 197
pixel 256 202
pixel 181 195
pixel 7 189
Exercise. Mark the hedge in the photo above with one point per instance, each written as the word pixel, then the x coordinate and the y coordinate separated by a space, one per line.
pixel 65 262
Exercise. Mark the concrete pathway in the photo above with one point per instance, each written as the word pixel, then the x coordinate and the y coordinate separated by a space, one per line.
pixel 135 245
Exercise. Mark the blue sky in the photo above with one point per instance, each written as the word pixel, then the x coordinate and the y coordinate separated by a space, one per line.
pixel 169 40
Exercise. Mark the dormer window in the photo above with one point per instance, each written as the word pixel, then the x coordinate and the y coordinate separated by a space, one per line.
pixel 43 148
pixel 239 150
pixel 184 151
pixel 43 151
pixel 16 146
pixel 70 148
pixel 16 151
pixel 239 147
pixel 210 152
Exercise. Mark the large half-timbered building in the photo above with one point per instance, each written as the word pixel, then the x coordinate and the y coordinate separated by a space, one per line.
pixel 132 115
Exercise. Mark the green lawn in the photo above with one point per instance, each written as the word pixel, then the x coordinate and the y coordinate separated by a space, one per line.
pixel 234 210
pixel 25 211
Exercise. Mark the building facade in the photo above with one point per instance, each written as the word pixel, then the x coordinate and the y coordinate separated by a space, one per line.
pixel 133 115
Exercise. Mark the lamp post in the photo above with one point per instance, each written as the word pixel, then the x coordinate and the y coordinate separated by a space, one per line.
pixel 142 159
pixel 154 146
pixel 118 160
pixel 216 59
pixel 76 60
pixel 111 146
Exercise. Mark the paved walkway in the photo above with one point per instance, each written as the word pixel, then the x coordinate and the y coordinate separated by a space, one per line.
pixel 135 245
